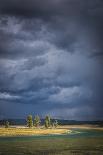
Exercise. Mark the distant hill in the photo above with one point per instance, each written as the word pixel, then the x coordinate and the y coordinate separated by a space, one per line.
pixel 61 122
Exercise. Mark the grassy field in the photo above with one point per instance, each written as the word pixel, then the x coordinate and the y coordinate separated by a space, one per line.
pixel 49 145
pixel 53 146
pixel 29 132
pixel 84 126
pixel 24 131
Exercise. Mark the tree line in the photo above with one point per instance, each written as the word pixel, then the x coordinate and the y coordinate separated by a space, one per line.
pixel 36 122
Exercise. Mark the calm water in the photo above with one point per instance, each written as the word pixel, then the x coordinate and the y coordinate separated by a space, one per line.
pixel 76 133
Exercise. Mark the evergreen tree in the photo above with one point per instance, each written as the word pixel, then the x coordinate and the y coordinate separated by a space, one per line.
pixel 37 121
pixel 7 124
pixel 55 123
pixel 47 122
pixel 29 121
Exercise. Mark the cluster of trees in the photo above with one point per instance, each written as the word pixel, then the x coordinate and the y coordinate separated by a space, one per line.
pixel 36 122
pixel 47 122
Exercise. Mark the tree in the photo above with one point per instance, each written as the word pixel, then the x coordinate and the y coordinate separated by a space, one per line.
pixel 7 124
pixel 47 122
pixel 37 121
pixel 55 123
pixel 29 121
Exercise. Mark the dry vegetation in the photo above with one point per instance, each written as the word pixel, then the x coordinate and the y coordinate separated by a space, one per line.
pixel 86 126
pixel 29 132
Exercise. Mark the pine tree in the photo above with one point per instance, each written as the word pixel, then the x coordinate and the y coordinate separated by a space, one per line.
pixel 29 121
pixel 55 123
pixel 7 124
pixel 47 122
pixel 37 121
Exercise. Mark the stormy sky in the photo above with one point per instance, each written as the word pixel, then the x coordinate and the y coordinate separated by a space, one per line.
pixel 51 59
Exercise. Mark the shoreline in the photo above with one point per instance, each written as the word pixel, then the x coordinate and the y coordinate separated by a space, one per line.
pixel 13 131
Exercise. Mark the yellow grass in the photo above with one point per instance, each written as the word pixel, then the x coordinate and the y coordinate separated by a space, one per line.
pixel 29 132
pixel 86 126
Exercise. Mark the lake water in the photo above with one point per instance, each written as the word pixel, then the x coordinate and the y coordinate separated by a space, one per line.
pixel 76 133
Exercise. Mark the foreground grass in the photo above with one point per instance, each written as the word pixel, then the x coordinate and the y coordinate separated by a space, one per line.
pixel 52 146
pixel 47 145
pixel 29 132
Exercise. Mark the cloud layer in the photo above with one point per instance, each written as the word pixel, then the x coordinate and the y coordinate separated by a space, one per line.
pixel 51 58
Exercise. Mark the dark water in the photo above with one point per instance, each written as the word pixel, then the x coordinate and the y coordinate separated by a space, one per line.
pixel 76 133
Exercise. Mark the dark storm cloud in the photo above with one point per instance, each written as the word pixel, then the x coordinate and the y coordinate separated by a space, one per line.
pixel 36 7
pixel 51 58
pixel 67 19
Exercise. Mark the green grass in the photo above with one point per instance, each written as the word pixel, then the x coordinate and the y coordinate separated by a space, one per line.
pixel 53 146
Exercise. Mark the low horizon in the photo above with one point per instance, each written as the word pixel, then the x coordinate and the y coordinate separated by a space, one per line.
pixel 53 119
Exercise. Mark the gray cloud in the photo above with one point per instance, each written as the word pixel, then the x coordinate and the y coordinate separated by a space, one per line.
pixel 51 58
